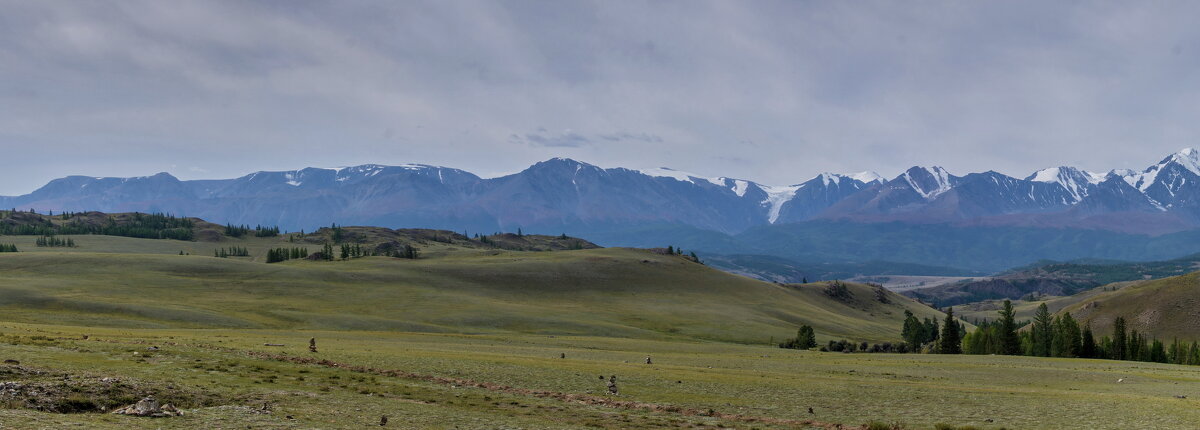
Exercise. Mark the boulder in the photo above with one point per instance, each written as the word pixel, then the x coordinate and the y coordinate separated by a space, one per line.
pixel 149 407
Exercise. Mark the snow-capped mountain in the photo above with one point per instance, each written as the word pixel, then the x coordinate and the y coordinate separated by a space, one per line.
pixel 1077 182
pixel 567 195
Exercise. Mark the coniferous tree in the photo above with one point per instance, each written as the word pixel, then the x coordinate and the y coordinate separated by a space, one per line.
pixel 1119 340
pixel 951 342
pixel 1010 343
pixel 1158 353
pixel 1087 348
pixel 1042 332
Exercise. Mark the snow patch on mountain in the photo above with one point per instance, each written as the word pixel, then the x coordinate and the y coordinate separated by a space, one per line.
pixel 776 197
pixel 1075 181
pixel 866 177
pixel 740 187
pixel 1188 158
pixel 681 176
pixel 940 185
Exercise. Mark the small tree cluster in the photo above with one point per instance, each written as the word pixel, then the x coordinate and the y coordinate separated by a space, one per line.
pixel 8 247
pixel 805 338
pixel 353 251
pixel 284 254
pixel 54 242
pixel 917 333
pixel 326 252
pixel 233 251
pixel 243 230
pixel 838 290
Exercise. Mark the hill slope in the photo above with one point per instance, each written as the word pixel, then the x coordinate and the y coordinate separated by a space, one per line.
pixel 616 292
pixel 1053 279
pixel 1165 308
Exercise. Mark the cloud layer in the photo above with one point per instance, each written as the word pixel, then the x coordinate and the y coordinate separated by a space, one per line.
pixel 770 91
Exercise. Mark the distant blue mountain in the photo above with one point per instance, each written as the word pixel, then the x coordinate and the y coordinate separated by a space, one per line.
pixel 618 206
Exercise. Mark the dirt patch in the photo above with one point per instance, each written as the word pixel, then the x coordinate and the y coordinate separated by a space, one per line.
pixel 27 388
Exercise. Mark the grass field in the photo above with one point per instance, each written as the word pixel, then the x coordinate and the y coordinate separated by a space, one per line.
pixel 606 292
pixel 470 338
pixel 526 385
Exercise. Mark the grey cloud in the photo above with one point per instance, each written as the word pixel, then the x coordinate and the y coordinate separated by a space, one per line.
pixel 133 86
pixel 624 135
pixel 543 138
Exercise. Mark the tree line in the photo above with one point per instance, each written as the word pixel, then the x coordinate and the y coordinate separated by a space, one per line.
pixel 8 247
pixel 53 242
pixel 139 225
pixel 284 254
pixel 1063 336
pixel 233 251
pixel 244 230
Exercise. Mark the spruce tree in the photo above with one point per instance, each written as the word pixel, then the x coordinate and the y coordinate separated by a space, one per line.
pixel 1119 340
pixel 1087 348
pixel 1010 343
pixel 951 338
pixel 1042 331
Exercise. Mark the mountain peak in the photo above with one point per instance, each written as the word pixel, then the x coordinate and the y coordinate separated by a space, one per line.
pixel 1064 173
pixel 929 182
pixel 1189 158
pixel 866 177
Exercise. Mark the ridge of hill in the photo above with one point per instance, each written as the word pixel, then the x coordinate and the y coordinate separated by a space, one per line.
pixel 1054 279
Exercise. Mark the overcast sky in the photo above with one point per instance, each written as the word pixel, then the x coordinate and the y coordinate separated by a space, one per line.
pixel 772 92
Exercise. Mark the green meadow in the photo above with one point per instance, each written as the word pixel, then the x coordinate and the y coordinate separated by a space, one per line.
pixel 477 338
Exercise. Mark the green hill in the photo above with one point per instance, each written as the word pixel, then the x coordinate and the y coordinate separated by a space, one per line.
pixel 1050 278
pixel 129 282
pixel 1163 308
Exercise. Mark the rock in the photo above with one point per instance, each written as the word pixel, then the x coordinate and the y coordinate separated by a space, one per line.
pixel 1181 396
pixel 149 407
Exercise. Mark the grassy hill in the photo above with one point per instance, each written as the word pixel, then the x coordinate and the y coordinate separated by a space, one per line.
pixel 1025 308
pixel 1163 308
pixel 1050 278
pixel 510 332
pixel 461 288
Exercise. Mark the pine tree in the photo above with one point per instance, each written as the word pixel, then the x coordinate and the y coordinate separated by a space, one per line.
pixel 1119 340
pixel 807 337
pixel 914 333
pixel 1087 348
pixel 1010 343
pixel 1042 332
pixel 951 337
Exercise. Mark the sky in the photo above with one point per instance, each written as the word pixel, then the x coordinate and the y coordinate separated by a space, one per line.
pixel 775 92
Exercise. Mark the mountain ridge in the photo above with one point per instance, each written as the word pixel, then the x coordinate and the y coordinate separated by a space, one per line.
pixel 569 195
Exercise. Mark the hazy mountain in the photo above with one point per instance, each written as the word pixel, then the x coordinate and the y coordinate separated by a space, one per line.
pixel 618 206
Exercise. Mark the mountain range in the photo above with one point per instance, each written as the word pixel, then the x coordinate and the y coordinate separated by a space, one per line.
pixel 618 206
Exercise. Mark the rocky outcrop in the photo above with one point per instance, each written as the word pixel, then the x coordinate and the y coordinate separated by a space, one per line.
pixel 149 407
